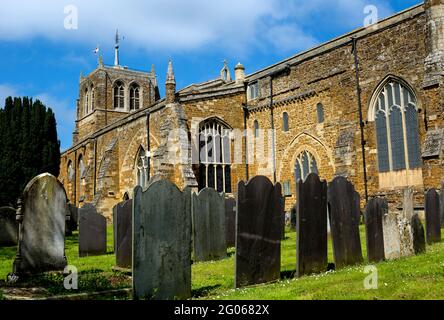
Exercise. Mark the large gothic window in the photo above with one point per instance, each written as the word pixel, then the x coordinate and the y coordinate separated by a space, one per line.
pixel 134 97
pixel 142 167
pixel 305 164
pixel 397 132
pixel 214 156
pixel 119 95
pixel 86 102
pixel 93 98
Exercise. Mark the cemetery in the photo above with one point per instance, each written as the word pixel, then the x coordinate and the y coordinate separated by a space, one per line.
pixel 168 244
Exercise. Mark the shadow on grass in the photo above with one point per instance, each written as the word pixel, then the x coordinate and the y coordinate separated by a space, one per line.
pixel 201 292
pixel 288 274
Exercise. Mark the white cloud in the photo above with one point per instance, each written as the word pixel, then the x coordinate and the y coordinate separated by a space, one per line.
pixel 177 24
pixel 6 91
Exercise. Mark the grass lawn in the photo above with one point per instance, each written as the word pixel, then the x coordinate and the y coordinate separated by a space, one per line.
pixel 417 277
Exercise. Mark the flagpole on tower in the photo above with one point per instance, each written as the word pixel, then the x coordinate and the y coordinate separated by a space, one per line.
pixel 116 58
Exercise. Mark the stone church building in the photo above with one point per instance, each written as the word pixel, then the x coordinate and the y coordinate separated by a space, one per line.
pixel 367 105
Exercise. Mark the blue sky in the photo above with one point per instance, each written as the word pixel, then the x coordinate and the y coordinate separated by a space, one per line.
pixel 40 58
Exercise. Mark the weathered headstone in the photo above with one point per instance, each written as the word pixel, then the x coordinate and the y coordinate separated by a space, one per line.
pixel 92 232
pixel 230 219
pixel 162 242
pixel 123 233
pixel 209 241
pixel 418 234
pixel 72 223
pixel 408 210
pixel 259 231
pixel 311 243
pixel 376 209
pixel 392 240
pixel 441 207
pixel 405 237
pixel 42 219
pixel 345 215
pixel 8 227
pixel 433 220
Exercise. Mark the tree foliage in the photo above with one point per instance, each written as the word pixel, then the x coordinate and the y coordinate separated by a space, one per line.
pixel 29 146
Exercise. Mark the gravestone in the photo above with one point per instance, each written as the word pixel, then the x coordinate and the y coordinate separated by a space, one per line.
pixel 441 207
pixel 72 223
pixel 392 239
pixel 345 215
pixel 375 210
pixel 230 221
pixel 8 227
pixel 433 220
pixel 162 242
pixel 311 242
pixel 209 241
pixel 92 232
pixel 293 215
pixel 260 205
pixel 408 210
pixel 405 237
pixel 123 233
pixel 42 218
pixel 418 234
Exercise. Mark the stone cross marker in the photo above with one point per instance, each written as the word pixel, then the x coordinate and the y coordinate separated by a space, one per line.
pixel 42 219
pixel 230 218
pixel 162 242
pixel 344 204
pixel 209 240
pixel 92 232
pixel 433 220
pixel 311 242
pixel 8 227
pixel 375 211
pixel 419 242
pixel 260 206
pixel 123 233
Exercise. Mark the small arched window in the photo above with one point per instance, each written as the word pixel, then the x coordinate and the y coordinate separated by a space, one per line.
pixel 82 172
pixel 93 98
pixel 119 95
pixel 70 172
pixel 142 167
pixel 285 125
pixel 86 102
pixel 256 129
pixel 305 164
pixel 134 97
pixel 320 112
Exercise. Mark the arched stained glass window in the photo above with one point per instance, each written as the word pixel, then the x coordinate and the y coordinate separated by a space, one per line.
pixel 305 164
pixel 134 97
pixel 142 167
pixel 119 95
pixel 214 156
pixel 397 130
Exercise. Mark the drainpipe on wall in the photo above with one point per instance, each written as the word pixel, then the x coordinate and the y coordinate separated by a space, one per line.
pixel 245 109
pixel 273 135
pixel 361 122
pixel 148 142
pixel 75 178
pixel 95 166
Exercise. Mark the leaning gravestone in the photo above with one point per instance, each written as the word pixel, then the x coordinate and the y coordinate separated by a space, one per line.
pixel 8 227
pixel 123 233
pixel 392 238
pixel 311 243
pixel 72 223
pixel 433 220
pixel 230 219
pixel 92 232
pixel 260 206
pixel 375 211
pixel 209 240
pixel 42 219
pixel 418 234
pixel 345 215
pixel 162 242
